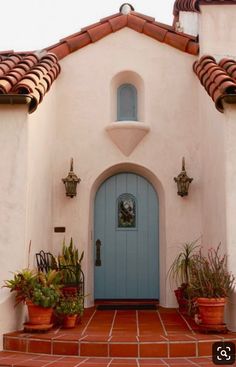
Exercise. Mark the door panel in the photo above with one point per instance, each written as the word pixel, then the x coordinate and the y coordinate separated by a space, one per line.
pixel 129 256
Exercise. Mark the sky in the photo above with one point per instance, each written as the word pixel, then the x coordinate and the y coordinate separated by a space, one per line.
pixel 35 24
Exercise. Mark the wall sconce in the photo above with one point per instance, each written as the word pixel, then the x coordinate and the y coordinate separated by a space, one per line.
pixel 183 181
pixel 71 181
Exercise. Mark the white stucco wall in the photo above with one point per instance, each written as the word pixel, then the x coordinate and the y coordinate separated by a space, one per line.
pixel 41 159
pixel 189 22
pixel 84 90
pixel 13 194
pixel 27 154
pixel 217 26
pixel 230 175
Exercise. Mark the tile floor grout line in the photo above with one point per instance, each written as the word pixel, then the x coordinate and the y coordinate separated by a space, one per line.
pixel 109 363
pixel 137 323
pixel 193 363
pixel 186 322
pixel 162 323
pixel 112 324
pixel 83 332
pixel 138 333
pixel 80 363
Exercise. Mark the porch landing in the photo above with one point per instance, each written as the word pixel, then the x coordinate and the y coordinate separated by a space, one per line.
pixel 139 335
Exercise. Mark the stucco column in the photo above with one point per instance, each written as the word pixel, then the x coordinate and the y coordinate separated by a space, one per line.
pixel 13 192
pixel 230 174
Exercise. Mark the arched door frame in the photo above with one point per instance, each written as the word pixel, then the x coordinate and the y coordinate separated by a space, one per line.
pixel 152 178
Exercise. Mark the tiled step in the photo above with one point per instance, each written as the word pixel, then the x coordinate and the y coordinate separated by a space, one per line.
pixel 10 359
pixel 163 333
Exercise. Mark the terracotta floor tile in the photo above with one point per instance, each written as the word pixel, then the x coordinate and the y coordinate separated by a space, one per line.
pixel 94 349
pixel 183 350
pixel 65 348
pixel 123 339
pixel 39 346
pixel 123 350
pixel 15 344
pixel 204 348
pixel 153 350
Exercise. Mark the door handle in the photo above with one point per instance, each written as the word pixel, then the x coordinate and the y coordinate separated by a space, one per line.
pixel 98 253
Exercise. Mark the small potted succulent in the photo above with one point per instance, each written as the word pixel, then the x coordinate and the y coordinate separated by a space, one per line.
pixel 69 309
pixel 211 284
pixel 69 264
pixel 40 292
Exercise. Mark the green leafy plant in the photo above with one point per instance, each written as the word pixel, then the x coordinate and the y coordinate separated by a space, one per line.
pixel 209 276
pixel 41 289
pixel 181 266
pixel 70 263
pixel 70 306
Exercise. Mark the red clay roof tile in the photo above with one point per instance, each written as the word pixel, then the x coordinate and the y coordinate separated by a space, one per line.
pixel 216 78
pixel 34 73
pixel 136 21
pixel 28 74
pixel 100 31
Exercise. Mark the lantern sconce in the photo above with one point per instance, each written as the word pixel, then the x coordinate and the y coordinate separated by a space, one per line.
pixel 71 181
pixel 183 181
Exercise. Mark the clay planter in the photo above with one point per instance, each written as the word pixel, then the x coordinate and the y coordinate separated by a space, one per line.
pixel 211 311
pixel 182 301
pixel 39 315
pixel 69 321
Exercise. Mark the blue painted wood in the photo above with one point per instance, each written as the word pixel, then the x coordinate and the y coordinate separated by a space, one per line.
pixel 130 256
pixel 127 103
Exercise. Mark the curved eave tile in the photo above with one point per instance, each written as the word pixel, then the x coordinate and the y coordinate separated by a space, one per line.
pixel 218 79
pixel 194 5
pixel 28 74
pixel 186 5
pixel 136 21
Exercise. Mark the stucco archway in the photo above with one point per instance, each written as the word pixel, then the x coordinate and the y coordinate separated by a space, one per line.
pixel 152 178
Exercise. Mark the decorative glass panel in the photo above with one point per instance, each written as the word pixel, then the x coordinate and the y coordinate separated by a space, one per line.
pixel 126 211
pixel 127 103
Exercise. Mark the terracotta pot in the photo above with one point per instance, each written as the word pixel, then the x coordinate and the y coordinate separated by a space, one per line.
pixel 182 301
pixel 39 315
pixel 211 310
pixel 69 321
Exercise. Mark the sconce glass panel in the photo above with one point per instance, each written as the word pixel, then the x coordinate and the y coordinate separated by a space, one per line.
pixel 126 207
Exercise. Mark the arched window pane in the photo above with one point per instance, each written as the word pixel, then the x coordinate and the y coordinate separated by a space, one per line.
pixel 126 211
pixel 127 103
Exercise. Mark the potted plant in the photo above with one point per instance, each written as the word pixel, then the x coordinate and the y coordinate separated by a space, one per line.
pixel 210 284
pixel 39 291
pixel 69 308
pixel 179 272
pixel 69 263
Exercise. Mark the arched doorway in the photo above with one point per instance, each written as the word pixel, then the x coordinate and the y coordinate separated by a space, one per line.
pixel 126 239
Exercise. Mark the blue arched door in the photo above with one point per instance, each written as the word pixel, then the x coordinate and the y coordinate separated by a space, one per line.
pixel 126 239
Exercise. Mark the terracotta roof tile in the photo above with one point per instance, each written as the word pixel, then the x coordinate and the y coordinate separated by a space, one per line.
pixel 193 5
pixel 29 74
pixel 136 21
pixel 218 79
pixel 99 31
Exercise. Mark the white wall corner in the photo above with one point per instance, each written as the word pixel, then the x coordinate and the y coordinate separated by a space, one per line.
pixel 188 23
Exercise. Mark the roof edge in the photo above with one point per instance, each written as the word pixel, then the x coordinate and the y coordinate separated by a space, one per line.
pixel 138 22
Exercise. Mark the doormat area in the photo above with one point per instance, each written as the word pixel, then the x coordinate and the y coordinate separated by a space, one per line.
pixel 135 306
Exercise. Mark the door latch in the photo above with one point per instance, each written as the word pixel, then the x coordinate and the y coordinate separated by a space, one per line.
pixel 98 253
